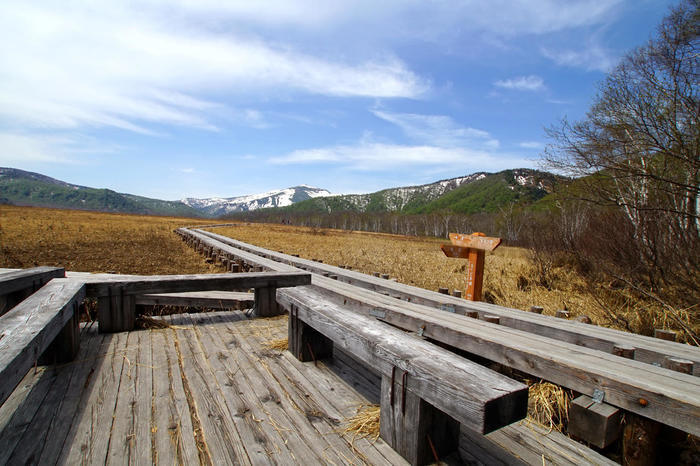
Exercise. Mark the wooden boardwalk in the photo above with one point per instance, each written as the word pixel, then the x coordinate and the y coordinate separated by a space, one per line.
pixel 206 390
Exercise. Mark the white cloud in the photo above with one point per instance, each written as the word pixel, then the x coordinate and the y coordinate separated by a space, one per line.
pixel 592 58
pixel 72 65
pixel 377 157
pixel 531 145
pixel 522 83
pixel 18 148
pixel 438 130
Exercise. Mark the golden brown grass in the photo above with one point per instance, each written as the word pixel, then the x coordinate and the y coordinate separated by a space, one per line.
pixel 95 242
pixel 548 405
pixel 365 423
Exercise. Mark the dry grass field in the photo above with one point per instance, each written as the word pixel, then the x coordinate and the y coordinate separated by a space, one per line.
pixel 102 242
pixel 95 242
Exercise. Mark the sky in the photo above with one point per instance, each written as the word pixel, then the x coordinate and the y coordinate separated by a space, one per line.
pixel 199 98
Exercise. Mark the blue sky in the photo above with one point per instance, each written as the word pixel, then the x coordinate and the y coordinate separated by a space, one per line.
pixel 197 98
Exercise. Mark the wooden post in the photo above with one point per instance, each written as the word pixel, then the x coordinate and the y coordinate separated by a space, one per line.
pixel 472 247
pixel 66 344
pixel 306 343
pixel 410 425
pixel 266 302
pixel 116 313
pixel 596 423
pixel 669 335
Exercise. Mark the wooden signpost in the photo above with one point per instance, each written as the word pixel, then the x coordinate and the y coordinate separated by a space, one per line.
pixel 472 247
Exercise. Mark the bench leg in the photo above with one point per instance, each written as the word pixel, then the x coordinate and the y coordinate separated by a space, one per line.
pixel 116 313
pixel 67 343
pixel 266 302
pixel 305 343
pixel 409 424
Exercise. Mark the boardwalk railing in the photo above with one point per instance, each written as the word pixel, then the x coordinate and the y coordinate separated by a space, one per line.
pixel 618 372
pixel 46 323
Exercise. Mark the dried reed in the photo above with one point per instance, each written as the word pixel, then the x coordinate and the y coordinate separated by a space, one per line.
pixel 548 405
pixel 364 424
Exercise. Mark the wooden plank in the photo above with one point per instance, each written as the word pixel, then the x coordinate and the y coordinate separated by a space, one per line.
pixel 672 398
pixel 91 431
pixel 22 416
pixel 173 410
pixel 649 350
pixel 209 299
pixel 218 439
pixel 261 448
pixel 33 279
pixel 123 442
pixel 477 397
pixel 304 443
pixel 296 396
pixel 70 406
pixel 576 367
pixel 40 431
pixel 203 282
pixel 475 241
pixel 31 326
pixel 528 443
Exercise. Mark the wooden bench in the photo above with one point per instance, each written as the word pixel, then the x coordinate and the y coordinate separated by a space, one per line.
pixel 645 349
pixel 668 397
pixel 427 392
pixel 206 299
pixel 16 285
pixel 116 294
pixel 49 316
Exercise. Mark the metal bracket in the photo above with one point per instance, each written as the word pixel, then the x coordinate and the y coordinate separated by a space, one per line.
pixel 598 395
pixel 379 314
pixel 447 307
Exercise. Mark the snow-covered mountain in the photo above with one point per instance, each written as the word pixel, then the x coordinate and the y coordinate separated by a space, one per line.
pixel 217 206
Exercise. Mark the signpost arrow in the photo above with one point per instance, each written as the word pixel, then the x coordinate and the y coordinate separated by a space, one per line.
pixel 472 247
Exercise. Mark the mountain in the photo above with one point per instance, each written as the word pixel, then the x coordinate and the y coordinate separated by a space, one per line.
pixel 478 192
pixel 215 206
pixel 21 187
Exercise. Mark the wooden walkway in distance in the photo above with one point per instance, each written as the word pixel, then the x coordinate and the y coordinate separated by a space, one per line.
pixel 206 390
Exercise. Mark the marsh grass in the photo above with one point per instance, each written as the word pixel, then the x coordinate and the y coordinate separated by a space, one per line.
pixel 95 242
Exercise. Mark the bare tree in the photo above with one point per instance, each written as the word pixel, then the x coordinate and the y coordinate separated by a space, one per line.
pixel 638 149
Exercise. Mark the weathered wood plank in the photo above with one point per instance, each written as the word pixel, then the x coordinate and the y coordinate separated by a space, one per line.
pixel 649 350
pixel 477 397
pixel 43 427
pixel 217 435
pixel 22 416
pixel 204 282
pixel 31 326
pixel 90 433
pixel 304 444
pixel 28 279
pixel 209 299
pixel 172 406
pixel 307 392
pixel 71 406
pixel 576 367
pixel 673 398
pixel 260 448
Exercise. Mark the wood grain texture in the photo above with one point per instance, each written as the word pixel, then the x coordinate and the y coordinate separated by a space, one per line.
pixel 476 396
pixel 31 326
pixel 648 350
pixel 567 353
pixel 18 280
pixel 130 285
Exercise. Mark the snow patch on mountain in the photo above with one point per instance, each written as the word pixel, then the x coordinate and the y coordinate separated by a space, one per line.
pixel 217 206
